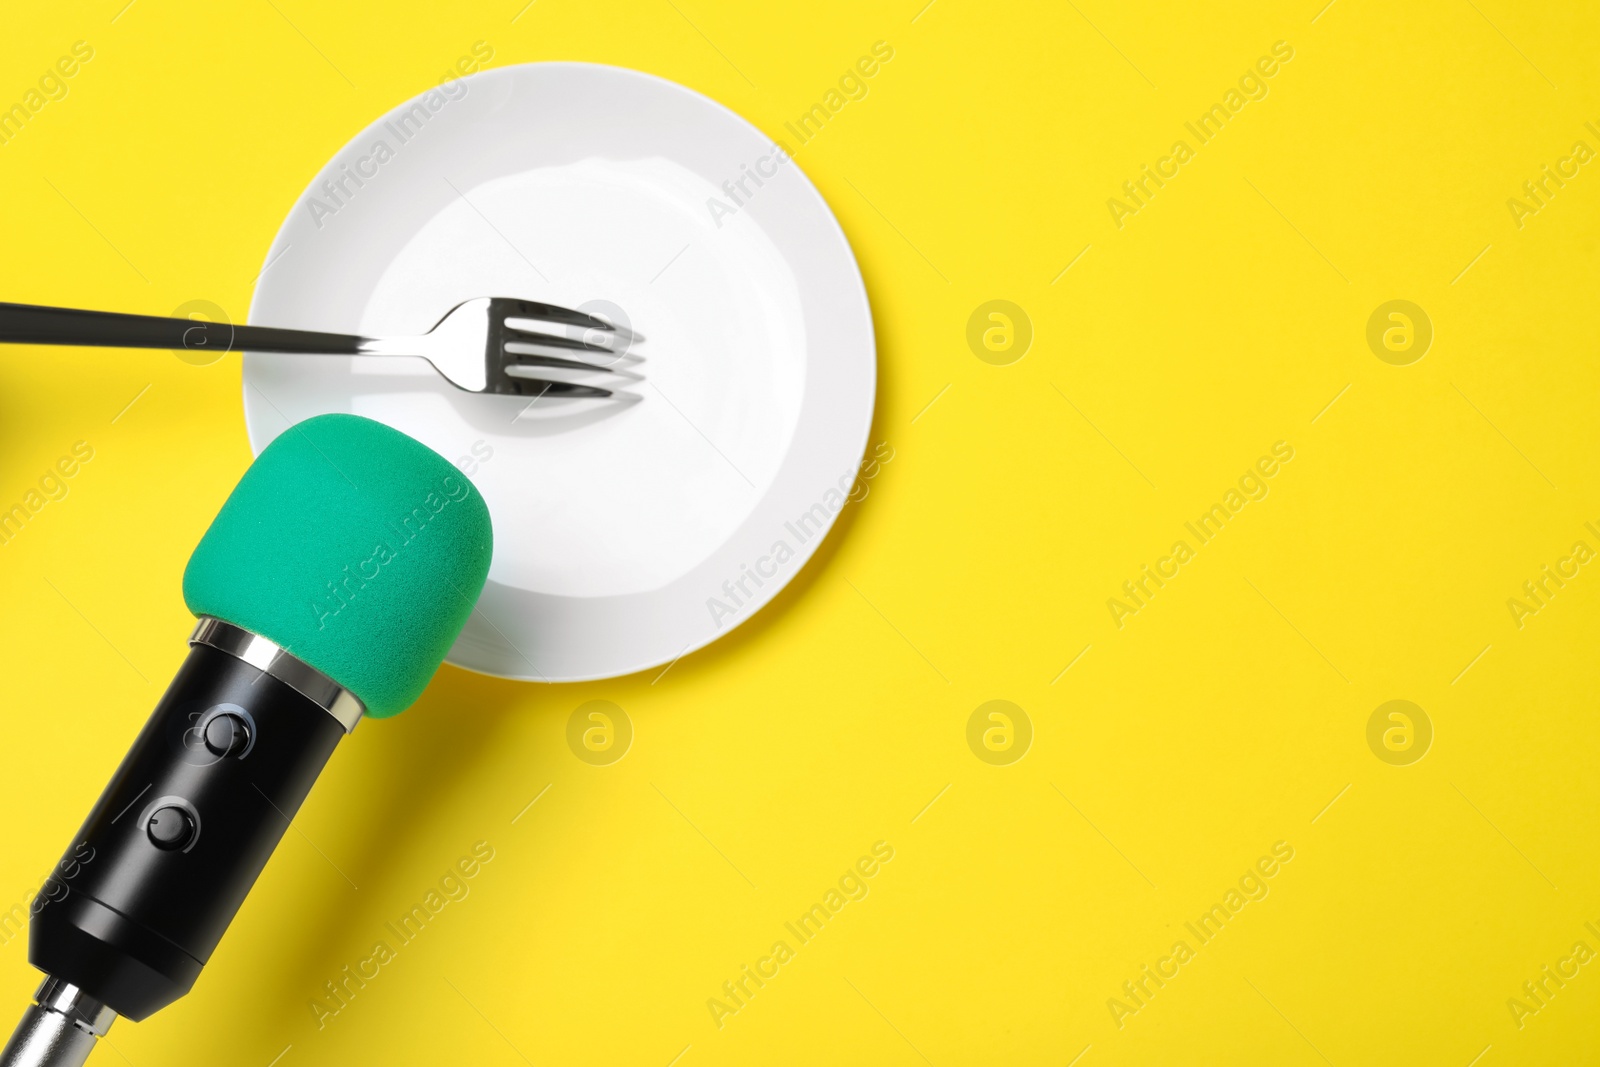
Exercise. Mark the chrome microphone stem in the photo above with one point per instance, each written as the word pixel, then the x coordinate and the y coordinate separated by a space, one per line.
pixel 59 1029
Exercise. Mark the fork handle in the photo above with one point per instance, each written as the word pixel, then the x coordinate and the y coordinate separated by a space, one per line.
pixel 28 324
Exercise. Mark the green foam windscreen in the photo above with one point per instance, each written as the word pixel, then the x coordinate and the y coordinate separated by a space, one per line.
pixel 356 548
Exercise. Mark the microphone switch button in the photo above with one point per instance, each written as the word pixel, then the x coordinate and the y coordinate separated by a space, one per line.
pixel 170 828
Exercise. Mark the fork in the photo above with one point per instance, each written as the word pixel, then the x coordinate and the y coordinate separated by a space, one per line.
pixel 474 347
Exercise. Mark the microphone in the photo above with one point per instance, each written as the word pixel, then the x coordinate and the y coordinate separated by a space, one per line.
pixel 330 586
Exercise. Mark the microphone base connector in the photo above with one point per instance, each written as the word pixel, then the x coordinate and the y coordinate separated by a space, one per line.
pixel 59 1029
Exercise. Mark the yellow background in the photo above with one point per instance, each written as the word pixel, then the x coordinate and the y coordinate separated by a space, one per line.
pixel 1224 717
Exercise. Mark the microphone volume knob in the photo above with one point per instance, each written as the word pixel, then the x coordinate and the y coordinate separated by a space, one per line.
pixel 170 828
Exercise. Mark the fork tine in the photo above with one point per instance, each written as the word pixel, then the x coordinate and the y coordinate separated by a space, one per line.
pixel 550 340
pixel 532 309
pixel 539 360
pixel 617 377
pixel 545 387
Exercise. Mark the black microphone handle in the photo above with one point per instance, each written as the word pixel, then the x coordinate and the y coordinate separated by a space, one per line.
pixel 143 894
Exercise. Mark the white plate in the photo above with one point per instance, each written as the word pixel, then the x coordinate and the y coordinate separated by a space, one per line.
pixel 625 535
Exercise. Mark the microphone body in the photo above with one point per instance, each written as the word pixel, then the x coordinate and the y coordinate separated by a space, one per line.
pixel 329 587
pixel 178 837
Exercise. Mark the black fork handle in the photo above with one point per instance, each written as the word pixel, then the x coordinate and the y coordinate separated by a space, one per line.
pixel 28 324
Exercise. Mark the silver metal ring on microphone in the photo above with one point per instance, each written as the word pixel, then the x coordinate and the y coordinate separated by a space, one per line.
pixel 277 662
